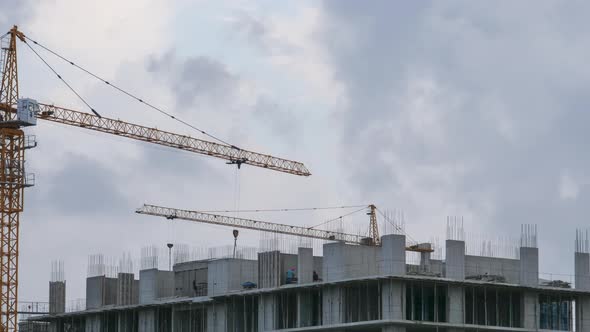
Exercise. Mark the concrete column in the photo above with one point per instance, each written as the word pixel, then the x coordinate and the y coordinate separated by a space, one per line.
pixel 455 260
pixel 393 255
pixel 304 265
pixel 267 312
pixel 125 283
pixel 216 318
pixel 57 297
pixel 582 268
pixel 332 305
pixel 304 309
pixel 530 311
pixel 269 269
pixel 146 320
pixel 94 323
pixel 529 266
pixel 583 313
pixel 125 321
pixel 393 299
pixel 455 304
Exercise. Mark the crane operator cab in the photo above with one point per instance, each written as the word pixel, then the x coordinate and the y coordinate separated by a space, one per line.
pixel 26 112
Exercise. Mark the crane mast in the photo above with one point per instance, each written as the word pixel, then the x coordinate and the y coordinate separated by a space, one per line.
pixel 12 184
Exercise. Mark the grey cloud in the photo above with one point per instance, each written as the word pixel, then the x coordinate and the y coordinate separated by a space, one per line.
pixel 81 188
pixel 255 31
pixel 479 106
pixel 195 80
pixel 282 122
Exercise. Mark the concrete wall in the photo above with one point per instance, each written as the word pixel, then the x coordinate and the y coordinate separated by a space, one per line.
pixel 509 268
pixel 110 291
pixel 155 284
pixel 95 292
pixel 226 275
pixel 343 261
pixel 189 275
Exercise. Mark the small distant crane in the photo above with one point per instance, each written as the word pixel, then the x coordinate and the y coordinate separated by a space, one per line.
pixel 265 226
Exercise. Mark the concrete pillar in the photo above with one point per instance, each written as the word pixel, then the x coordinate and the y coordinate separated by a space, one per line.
pixel 530 310
pixel 393 255
pixel 583 313
pixel 304 265
pixel 94 323
pixel 269 269
pixel 455 304
pixel 216 318
pixel 529 266
pixel 393 296
pixel 267 312
pixel 304 309
pixel 125 321
pixel 455 260
pixel 146 320
pixel 57 297
pixel 582 268
pixel 125 288
pixel 332 305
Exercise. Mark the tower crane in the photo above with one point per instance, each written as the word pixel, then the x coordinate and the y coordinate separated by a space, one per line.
pixel 16 114
pixel 265 226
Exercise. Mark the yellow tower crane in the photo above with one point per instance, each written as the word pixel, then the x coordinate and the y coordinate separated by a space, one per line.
pixel 15 114
pixel 265 226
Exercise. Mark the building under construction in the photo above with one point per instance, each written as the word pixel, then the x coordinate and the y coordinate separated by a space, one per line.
pixel 348 288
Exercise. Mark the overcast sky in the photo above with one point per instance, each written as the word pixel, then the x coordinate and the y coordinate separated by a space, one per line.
pixel 454 108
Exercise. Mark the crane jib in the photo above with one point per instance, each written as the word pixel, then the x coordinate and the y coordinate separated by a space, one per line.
pixel 152 135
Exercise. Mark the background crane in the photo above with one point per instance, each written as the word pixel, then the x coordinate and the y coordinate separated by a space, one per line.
pixel 265 226
pixel 15 114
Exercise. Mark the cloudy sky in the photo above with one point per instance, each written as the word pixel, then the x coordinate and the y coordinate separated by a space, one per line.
pixel 455 108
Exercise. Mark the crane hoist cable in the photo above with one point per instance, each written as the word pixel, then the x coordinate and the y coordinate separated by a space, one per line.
pixel 141 100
